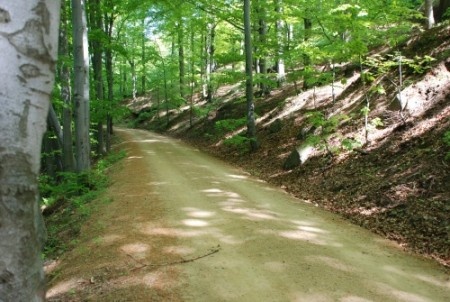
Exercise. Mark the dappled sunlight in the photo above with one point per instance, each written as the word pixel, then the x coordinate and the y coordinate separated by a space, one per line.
pixel 231 202
pixel 135 248
pixel 172 232
pixel 252 214
pixel 178 250
pixel 234 176
pixel 134 157
pixel 312 229
pixel 400 295
pixel 215 192
pixel 111 238
pixel 311 99
pixel 195 223
pixel 429 279
pixel 158 183
pixel 307 231
pixel 331 262
pixel 198 213
pixel 422 94
pixel 304 236
pixel 158 279
pixel 64 287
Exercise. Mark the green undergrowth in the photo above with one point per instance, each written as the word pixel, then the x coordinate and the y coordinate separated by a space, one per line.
pixel 66 203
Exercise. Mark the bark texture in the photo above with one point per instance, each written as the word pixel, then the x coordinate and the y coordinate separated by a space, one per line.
pixel 81 85
pixel 28 40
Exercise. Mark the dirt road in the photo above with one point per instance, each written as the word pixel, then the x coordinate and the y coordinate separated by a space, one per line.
pixel 183 226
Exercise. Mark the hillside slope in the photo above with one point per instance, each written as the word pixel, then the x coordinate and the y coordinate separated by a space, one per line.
pixel 396 183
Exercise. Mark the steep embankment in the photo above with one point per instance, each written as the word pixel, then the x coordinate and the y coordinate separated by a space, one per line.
pixel 397 184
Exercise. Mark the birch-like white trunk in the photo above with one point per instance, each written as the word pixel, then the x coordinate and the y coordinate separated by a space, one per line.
pixel 28 43
pixel 429 13
pixel 281 69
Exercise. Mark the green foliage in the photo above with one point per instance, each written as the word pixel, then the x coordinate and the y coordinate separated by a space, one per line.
pixel 446 140
pixel 68 198
pixel 350 144
pixel 239 142
pixel 377 122
pixel 327 128
pixel 382 65
pixel 229 125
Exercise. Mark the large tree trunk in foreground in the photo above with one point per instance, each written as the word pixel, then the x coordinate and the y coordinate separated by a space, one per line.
pixel 28 40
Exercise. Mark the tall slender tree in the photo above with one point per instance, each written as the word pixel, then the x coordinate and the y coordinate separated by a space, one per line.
pixel 66 91
pixel 81 85
pixel 251 124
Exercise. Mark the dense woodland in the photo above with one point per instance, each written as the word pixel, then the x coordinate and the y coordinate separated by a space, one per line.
pixel 174 51
pixel 165 57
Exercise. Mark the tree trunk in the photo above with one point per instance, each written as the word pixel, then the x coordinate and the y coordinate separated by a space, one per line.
pixel 27 70
pixel 109 22
pixel 144 59
pixel 53 122
pixel 251 127
pixel 429 14
pixel 96 23
pixel 81 85
pixel 210 37
pixel 181 58
pixel 64 79
pixel 442 8
pixel 281 70
pixel 192 81
pixel 306 59
pixel 262 31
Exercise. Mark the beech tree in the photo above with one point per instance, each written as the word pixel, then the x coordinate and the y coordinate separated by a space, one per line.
pixel 251 127
pixel 28 40
pixel 81 85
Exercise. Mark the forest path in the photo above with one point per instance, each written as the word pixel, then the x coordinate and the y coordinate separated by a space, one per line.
pixel 183 226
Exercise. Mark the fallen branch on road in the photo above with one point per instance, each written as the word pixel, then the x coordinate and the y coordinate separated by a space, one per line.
pixel 211 251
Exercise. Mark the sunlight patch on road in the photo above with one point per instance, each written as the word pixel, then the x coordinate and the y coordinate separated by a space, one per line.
pixel 214 190
pixel 312 229
pixel 158 183
pixel 134 157
pixel 198 213
pixel 195 223
pixel 152 141
pixel 428 279
pixel 135 248
pixel 231 202
pixel 253 214
pixel 171 232
pixel 178 250
pixel 237 176
pixel 400 295
pixel 111 238
pixel 64 287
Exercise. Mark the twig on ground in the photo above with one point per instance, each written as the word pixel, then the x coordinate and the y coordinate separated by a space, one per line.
pixel 211 251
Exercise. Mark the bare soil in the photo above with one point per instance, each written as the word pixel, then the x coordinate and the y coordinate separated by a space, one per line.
pixel 183 226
